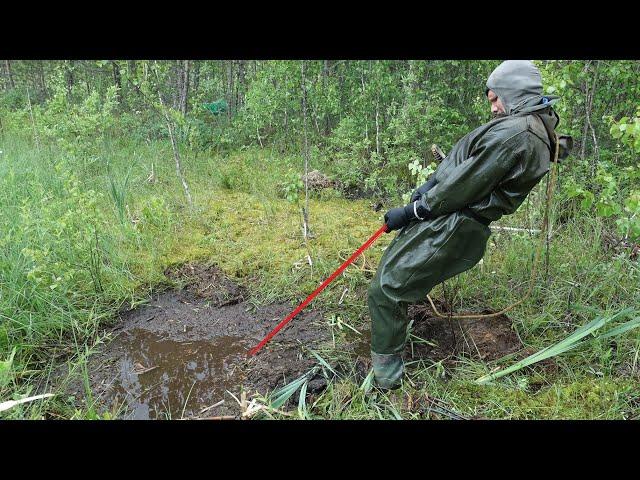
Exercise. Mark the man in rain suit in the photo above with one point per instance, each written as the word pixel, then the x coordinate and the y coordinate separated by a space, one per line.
pixel 444 230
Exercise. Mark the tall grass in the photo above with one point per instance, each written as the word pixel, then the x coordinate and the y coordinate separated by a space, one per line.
pixel 118 191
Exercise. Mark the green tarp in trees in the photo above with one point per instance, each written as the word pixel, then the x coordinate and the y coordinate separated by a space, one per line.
pixel 217 107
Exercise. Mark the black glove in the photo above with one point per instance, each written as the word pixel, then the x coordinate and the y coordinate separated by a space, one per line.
pixel 424 188
pixel 396 218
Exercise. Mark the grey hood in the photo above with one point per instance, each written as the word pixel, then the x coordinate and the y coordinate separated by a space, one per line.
pixel 518 84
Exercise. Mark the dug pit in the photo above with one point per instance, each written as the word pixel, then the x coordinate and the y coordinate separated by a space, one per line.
pixel 440 339
pixel 184 354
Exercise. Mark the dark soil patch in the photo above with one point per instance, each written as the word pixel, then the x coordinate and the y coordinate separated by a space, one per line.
pixel 207 282
pixel 356 192
pixel 439 339
pixel 482 338
pixel 182 352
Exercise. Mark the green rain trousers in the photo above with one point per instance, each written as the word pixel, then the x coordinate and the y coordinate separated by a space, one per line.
pixel 422 255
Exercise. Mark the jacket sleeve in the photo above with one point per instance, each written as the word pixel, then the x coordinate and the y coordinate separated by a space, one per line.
pixel 490 160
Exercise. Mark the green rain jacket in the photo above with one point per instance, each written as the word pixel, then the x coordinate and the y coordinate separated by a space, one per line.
pixel 491 170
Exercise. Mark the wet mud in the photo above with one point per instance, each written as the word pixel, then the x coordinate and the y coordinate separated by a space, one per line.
pixel 185 353
pixel 439 339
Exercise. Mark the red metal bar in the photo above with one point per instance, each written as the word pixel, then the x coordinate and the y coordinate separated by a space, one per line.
pixel 364 246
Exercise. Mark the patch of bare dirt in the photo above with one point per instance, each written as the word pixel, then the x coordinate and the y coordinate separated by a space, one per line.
pixel 318 181
pixel 185 353
pixel 207 282
pixel 441 339
pixel 482 338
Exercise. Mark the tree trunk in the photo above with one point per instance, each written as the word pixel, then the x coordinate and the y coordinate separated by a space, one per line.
pixel 596 153
pixel 196 77
pixel 69 76
pixel 341 86
pixel 230 88
pixel 7 65
pixel 325 87
pixel 132 72
pixel 176 153
pixel 377 129
pixel 33 123
pixel 585 128
pixel 240 86
pixel 175 88
pixel 43 83
pixel 366 120
pixel 184 88
pixel 117 81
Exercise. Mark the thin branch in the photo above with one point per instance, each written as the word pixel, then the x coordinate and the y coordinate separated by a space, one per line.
pixel 593 133
pixel 174 145
pixel 33 123
pixel 306 156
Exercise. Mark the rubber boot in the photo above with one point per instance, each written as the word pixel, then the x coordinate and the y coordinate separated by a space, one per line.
pixel 387 370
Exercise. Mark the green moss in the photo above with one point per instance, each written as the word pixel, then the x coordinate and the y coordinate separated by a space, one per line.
pixel 585 398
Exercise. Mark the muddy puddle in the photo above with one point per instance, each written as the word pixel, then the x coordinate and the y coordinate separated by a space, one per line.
pixel 157 377
pixel 184 354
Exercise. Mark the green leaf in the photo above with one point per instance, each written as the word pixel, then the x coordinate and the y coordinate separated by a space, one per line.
pixel 280 397
pixel 5 369
pixel 615 131
pixel 633 202
pixel 367 384
pixel 323 362
pixel 302 402
pixel 394 411
pixel 12 403
pixel 569 343
pixel 604 210
pixel 586 202
pixel 620 329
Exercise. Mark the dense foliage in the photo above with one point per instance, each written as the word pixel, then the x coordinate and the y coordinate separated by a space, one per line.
pixel 368 120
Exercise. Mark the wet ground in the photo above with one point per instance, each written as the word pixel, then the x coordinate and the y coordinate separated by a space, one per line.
pixel 184 354
pixel 186 350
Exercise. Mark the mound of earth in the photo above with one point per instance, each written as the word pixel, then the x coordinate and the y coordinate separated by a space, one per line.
pixel 187 349
pixel 207 282
pixel 318 181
